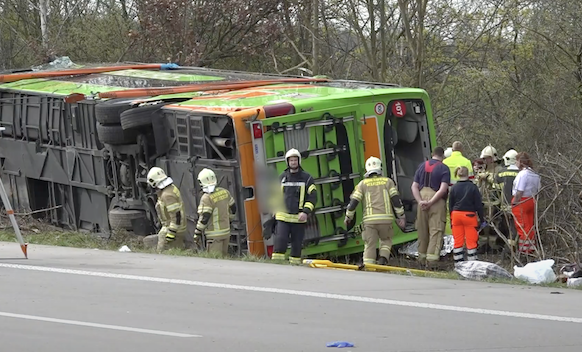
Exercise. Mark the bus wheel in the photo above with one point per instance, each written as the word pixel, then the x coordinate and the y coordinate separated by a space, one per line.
pixel 121 218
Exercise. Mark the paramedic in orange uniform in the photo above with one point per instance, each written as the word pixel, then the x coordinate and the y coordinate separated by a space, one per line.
pixel 466 208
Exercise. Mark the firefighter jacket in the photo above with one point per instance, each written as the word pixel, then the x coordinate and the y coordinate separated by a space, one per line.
pixel 299 195
pixel 490 190
pixel 378 195
pixel 215 211
pixel 505 179
pixel 170 209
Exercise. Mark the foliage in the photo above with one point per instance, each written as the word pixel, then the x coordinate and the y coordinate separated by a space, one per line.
pixel 500 72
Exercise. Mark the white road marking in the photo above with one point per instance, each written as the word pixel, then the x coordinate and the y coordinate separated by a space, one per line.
pixel 95 325
pixel 299 293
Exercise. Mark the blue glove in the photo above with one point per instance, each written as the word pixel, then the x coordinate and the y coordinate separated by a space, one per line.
pixel 340 344
pixel 482 226
pixel 169 67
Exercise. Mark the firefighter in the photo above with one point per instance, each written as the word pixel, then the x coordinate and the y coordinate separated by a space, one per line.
pixel 299 196
pixel 430 188
pixel 170 209
pixel 491 194
pixel 466 214
pixel 379 196
pixel 505 179
pixel 216 210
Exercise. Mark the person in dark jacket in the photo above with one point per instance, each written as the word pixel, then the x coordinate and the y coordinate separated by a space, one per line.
pixel 466 208
pixel 299 195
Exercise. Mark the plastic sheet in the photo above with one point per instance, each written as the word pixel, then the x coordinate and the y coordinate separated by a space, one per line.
pixel 537 272
pixel 59 63
pixel 479 270
pixel 412 248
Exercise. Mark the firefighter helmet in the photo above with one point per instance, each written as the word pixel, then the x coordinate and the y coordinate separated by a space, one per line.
pixel 373 165
pixel 292 152
pixel 206 177
pixel 489 151
pixel 510 157
pixel 156 177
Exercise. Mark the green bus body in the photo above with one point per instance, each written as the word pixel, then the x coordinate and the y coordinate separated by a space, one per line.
pixel 336 125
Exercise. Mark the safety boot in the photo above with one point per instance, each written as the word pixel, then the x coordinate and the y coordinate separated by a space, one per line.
pixel 383 261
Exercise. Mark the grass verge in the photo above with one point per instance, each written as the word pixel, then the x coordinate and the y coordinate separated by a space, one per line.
pixel 81 240
pixel 73 239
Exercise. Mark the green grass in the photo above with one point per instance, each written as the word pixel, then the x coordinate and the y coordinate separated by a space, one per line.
pixel 82 240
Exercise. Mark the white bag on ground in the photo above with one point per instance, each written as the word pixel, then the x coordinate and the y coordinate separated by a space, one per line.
pixel 537 272
pixel 479 270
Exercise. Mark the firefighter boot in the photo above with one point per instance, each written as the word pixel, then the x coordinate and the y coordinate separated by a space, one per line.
pixel 383 261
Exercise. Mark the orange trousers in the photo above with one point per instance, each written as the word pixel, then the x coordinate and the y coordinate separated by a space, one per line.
pixel 524 214
pixel 464 225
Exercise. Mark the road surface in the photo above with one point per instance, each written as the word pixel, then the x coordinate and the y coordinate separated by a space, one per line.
pixel 90 300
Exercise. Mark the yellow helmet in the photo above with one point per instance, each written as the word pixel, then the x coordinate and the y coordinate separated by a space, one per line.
pixel 206 177
pixel 373 165
pixel 292 152
pixel 156 176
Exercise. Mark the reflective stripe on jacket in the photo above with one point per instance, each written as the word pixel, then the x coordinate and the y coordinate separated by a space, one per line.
pixel 170 209
pixel 299 195
pixel 376 194
pixel 217 204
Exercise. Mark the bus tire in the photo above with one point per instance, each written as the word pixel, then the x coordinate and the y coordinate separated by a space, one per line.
pixel 109 111
pixel 115 135
pixel 121 218
pixel 139 117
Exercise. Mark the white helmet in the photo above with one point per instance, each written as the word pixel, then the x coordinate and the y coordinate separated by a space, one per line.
pixel 373 165
pixel 206 177
pixel 448 152
pixel 510 157
pixel 489 151
pixel 292 152
pixel 157 178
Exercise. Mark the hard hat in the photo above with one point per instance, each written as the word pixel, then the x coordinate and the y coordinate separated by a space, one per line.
pixel 156 176
pixel 448 152
pixel 206 177
pixel 292 152
pixel 373 165
pixel 489 151
pixel 510 157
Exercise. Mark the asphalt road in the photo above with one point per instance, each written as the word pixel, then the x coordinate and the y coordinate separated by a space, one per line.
pixel 89 300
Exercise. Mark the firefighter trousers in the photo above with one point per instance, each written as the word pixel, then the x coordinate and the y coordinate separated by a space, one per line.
pixel 371 234
pixel 464 225
pixel 218 244
pixel 431 227
pixel 284 231
pixel 177 243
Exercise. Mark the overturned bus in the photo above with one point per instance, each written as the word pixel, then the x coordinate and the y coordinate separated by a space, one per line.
pixel 78 145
